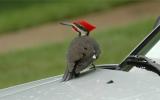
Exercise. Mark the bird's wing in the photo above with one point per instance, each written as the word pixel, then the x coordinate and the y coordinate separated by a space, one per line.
pixel 76 52
pixel 81 52
pixel 96 48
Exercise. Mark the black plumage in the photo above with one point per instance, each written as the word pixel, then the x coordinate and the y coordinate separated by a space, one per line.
pixel 82 52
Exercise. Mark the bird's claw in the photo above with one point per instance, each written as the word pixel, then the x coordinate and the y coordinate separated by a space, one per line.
pixel 93 67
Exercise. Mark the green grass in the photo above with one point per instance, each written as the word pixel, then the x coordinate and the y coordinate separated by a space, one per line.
pixel 116 43
pixel 36 63
pixel 19 14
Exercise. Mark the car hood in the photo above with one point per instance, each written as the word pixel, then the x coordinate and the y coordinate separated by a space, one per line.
pixel 91 85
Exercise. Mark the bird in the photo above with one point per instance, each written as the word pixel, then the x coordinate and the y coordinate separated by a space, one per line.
pixel 83 49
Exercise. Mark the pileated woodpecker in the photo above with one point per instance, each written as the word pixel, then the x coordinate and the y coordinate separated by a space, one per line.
pixel 83 50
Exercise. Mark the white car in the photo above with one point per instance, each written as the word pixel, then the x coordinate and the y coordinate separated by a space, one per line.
pixel 136 78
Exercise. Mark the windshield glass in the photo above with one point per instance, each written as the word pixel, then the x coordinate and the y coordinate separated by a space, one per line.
pixel 154 53
pixel 152 49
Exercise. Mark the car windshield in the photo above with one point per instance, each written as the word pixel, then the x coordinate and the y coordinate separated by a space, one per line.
pixel 154 53
pixel 146 52
pixel 152 49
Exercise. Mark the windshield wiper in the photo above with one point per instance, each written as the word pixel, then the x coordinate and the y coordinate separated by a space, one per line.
pixel 143 62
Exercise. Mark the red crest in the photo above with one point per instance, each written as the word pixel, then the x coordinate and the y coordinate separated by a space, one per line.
pixel 89 27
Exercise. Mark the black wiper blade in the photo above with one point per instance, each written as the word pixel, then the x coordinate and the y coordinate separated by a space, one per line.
pixel 143 62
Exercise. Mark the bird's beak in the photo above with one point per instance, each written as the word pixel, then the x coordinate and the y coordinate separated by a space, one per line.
pixel 65 23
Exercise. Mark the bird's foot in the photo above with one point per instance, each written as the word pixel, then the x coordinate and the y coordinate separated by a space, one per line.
pixel 93 67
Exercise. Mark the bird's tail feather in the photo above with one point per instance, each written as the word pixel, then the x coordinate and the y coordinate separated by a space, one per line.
pixel 67 75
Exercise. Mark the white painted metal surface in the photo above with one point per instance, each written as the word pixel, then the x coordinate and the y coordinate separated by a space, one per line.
pixel 90 86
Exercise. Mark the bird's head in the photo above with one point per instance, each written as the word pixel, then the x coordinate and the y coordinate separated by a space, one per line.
pixel 81 26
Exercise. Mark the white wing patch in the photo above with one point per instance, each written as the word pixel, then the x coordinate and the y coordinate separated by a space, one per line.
pixel 94 56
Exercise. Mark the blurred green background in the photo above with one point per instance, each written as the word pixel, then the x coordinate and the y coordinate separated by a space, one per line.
pixel 17 14
pixel 48 59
